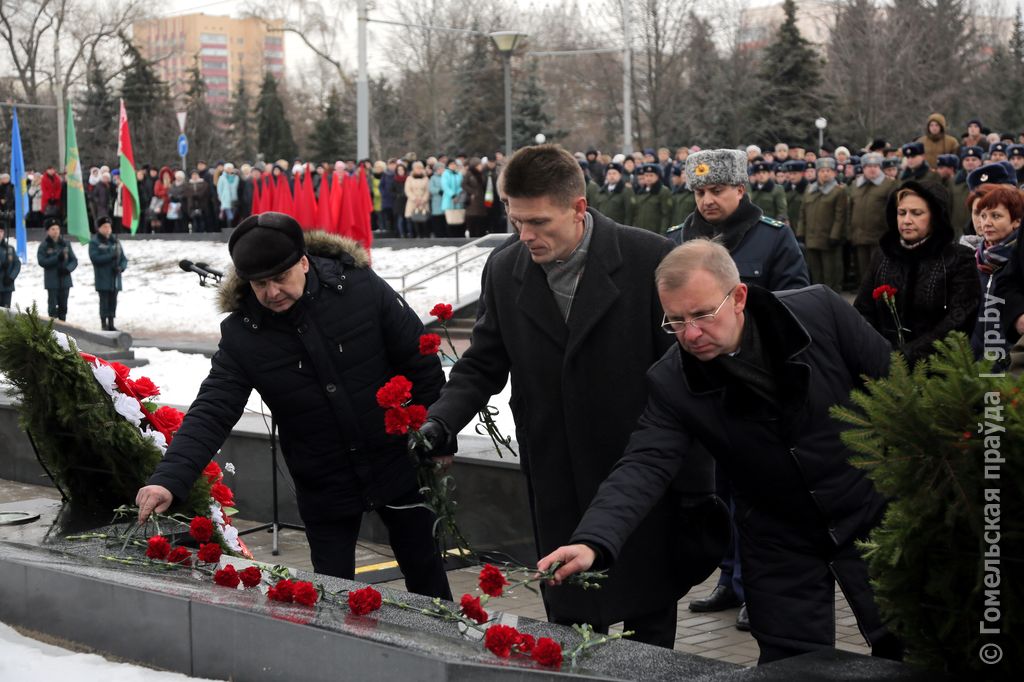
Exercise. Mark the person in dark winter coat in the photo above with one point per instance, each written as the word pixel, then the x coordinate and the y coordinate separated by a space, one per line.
pixel 766 194
pixel 317 333
pixel 108 262
pixel 474 184
pixel 574 292
pixel 10 267
pixel 936 282
pixel 764 249
pixel 683 200
pixel 796 185
pixel 999 210
pixel 615 199
pixel 752 378
pixel 58 261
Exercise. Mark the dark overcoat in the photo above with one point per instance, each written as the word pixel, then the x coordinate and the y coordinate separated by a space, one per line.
pixel 789 469
pixel 58 260
pixel 10 266
pixel 108 262
pixel 578 389
pixel 318 367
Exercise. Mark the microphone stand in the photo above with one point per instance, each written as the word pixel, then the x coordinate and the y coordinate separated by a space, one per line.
pixel 275 525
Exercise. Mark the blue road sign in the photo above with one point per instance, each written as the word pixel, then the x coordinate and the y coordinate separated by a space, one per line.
pixel 182 145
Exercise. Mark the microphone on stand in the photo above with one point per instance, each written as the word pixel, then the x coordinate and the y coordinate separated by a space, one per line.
pixel 189 266
pixel 216 273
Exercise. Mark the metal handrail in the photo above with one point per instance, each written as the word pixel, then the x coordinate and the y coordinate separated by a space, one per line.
pixel 403 288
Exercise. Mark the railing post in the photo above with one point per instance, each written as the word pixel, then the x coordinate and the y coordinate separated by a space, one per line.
pixel 458 295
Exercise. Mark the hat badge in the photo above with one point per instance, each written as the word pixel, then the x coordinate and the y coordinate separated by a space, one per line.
pixel 984 177
pixel 701 170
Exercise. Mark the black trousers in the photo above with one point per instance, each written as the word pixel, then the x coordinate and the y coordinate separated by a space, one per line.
pixel 5 299
pixel 108 303
pixel 657 628
pixel 438 225
pixel 410 532
pixel 57 303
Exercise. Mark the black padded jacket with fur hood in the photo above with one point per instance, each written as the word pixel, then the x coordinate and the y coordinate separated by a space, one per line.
pixel 318 367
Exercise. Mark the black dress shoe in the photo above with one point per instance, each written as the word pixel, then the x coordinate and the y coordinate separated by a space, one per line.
pixel 743 620
pixel 720 599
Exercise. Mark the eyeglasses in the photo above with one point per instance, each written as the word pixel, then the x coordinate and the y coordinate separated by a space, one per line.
pixel 699 322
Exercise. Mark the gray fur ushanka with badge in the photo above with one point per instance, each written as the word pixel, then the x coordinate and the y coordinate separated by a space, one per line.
pixel 318 367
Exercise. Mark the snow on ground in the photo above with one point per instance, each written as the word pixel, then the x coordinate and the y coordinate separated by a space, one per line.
pixel 29 660
pixel 160 299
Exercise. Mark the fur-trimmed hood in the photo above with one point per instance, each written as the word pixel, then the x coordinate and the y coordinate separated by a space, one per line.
pixel 348 252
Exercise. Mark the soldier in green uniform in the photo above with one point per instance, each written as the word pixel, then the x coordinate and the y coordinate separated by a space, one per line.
pixel 108 262
pixel 823 226
pixel 891 167
pixel 615 199
pixel 683 201
pixel 592 188
pixel 652 205
pixel 869 196
pixel 796 185
pixel 765 194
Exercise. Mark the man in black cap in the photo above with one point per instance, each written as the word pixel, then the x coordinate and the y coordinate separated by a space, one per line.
pixel 683 201
pixel 596 168
pixel 917 167
pixel 765 193
pixel 317 333
pixel 10 266
pixel 997 152
pixel 891 167
pixel 108 262
pixel 1016 154
pixel 653 202
pixel 58 261
pixel 615 200
pixel 796 185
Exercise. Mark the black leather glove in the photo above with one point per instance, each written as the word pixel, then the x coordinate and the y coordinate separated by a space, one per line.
pixel 431 441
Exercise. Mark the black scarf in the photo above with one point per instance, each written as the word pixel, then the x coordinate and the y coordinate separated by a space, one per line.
pixel 730 231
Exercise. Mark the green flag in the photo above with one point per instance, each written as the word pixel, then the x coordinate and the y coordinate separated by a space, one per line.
pixel 78 219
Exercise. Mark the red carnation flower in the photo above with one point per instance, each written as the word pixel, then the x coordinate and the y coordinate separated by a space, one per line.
pixel 283 591
pixel 395 392
pixel 471 608
pixel 364 601
pixel 144 388
pixel 305 593
pixel 442 311
pixel 525 643
pixel 396 421
pixel 209 553
pixel 222 494
pixel 492 581
pixel 547 652
pixel 500 639
pixel 227 577
pixel 416 414
pixel 430 344
pixel 201 528
pixel 166 420
pixel 250 577
pixel 179 555
pixel 158 547
pixel 884 290
pixel 213 473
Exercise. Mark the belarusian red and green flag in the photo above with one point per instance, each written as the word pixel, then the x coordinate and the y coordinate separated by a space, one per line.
pixel 129 186
pixel 78 218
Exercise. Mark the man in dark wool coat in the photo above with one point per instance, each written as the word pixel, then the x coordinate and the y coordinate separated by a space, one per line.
pixel 317 333
pixel 571 313
pixel 752 378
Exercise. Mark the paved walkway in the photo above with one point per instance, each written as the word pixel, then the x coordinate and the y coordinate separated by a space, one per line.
pixel 712 635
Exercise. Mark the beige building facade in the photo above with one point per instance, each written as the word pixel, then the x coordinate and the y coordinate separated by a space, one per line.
pixel 227 49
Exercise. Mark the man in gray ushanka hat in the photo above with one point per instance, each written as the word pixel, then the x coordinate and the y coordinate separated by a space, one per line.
pixel 764 248
pixel 766 254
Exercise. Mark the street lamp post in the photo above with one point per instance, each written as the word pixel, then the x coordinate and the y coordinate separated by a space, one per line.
pixel 506 42
pixel 820 123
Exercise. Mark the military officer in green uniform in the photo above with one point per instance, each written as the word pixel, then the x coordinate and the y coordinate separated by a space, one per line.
pixel 108 262
pixel 822 226
pixel 652 205
pixel 765 193
pixel 615 199
pixel 869 196
pixel 683 201
pixel 796 185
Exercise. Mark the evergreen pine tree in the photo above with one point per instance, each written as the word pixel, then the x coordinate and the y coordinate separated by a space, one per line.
pixel 477 119
pixel 150 110
pixel 274 132
pixel 202 125
pixel 332 137
pixel 96 117
pixel 241 129
pixel 529 111
pixel 789 96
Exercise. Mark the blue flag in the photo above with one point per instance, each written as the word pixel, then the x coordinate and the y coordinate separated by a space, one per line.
pixel 20 184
